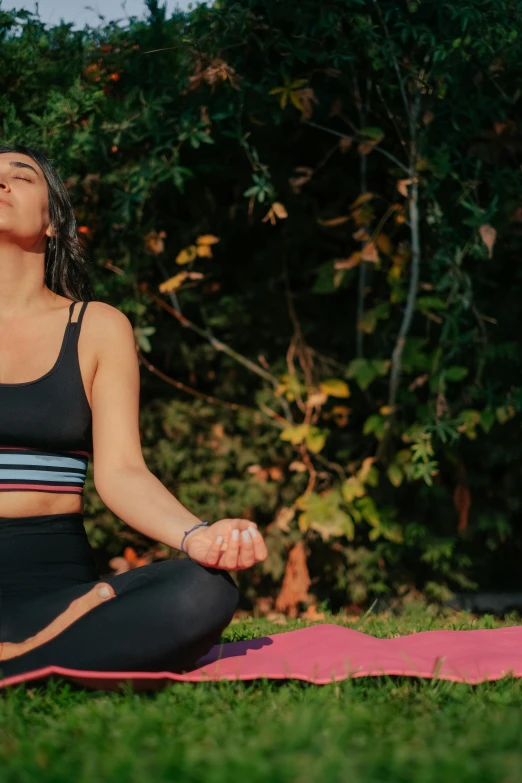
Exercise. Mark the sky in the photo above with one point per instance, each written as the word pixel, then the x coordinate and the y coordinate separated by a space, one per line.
pixel 78 11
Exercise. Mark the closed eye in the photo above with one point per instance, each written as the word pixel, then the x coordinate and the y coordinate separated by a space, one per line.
pixel 24 178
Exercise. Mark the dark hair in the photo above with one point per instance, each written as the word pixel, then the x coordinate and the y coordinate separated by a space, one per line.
pixel 66 266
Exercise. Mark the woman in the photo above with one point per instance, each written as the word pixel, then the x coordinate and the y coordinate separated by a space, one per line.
pixel 54 608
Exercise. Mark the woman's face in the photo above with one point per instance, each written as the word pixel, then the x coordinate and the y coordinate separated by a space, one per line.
pixel 24 202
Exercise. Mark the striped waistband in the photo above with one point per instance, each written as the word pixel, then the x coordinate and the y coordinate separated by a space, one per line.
pixel 32 469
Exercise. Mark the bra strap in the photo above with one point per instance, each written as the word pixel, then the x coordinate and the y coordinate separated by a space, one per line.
pixel 71 306
pixel 78 321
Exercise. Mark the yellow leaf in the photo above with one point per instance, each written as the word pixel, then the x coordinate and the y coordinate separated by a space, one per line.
pixel 488 236
pixel 297 466
pixel 204 251
pixel 296 101
pixel 295 434
pixel 401 186
pixel 340 415
pixel 348 263
pixel 302 502
pixel 361 199
pixel 361 234
pixel 369 252
pixel 384 244
pixel 316 398
pixel 282 518
pixel 368 322
pixel 207 239
pixel 399 260
pixel 279 209
pixel 315 440
pixel 187 255
pixel 365 468
pixel 335 387
pixel 365 147
pixel 173 283
pixel 338 221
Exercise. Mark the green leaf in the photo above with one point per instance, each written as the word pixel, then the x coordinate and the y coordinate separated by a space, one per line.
pixel 455 373
pixel 392 533
pixel 505 413
pixel 366 370
pixel 323 514
pixel 295 434
pixel 368 322
pixel 469 418
pixel 315 439
pixel 395 474
pixel 413 357
pixel 372 477
pixel 352 488
pixel 487 419
pixel 368 509
pixel 375 134
pixel 375 424
pixel 427 303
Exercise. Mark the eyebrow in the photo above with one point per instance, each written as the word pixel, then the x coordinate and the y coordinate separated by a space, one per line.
pixel 18 164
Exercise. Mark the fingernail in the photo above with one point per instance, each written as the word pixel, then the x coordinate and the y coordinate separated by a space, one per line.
pixel 253 531
pixel 219 539
pixel 235 534
pixel 104 591
pixel 245 535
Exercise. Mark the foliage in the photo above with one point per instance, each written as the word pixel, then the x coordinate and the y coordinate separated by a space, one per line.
pixel 327 197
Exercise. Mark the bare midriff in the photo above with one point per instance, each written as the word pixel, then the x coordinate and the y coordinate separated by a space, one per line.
pixel 29 504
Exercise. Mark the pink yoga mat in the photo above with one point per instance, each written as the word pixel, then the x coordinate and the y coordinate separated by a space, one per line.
pixel 326 653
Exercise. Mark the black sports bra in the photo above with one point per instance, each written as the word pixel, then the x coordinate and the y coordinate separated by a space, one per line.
pixel 46 425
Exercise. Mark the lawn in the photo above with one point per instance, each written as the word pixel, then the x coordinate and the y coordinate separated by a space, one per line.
pixel 369 729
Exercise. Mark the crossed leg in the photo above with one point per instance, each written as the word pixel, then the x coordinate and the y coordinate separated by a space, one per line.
pixel 166 614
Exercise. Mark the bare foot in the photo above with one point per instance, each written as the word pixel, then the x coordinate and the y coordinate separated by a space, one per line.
pixel 74 611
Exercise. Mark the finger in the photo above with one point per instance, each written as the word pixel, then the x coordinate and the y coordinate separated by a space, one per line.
pixel 244 524
pixel 260 550
pixel 232 553
pixel 214 551
pixel 246 550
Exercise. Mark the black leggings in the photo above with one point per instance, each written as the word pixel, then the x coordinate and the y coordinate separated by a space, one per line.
pixel 164 616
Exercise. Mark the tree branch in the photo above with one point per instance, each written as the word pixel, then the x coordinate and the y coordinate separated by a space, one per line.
pixel 345 136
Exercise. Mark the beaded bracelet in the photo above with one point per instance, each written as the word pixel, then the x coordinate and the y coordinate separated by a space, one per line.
pixel 190 531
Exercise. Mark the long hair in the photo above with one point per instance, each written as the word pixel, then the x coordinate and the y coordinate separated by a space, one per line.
pixel 66 267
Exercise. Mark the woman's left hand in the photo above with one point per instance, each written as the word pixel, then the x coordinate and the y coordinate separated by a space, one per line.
pixel 229 543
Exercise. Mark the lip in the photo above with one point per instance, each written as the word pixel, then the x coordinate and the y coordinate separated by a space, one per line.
pixel 2 201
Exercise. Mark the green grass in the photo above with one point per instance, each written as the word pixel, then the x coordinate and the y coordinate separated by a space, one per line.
pixel 378 729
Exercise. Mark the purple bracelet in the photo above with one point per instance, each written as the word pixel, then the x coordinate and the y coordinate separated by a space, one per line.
pixel 190 531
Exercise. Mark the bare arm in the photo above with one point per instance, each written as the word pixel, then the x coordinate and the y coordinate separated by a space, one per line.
pixel 121 476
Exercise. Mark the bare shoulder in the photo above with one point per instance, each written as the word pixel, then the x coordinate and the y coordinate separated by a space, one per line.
pixel 110 335
pixel 107 323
